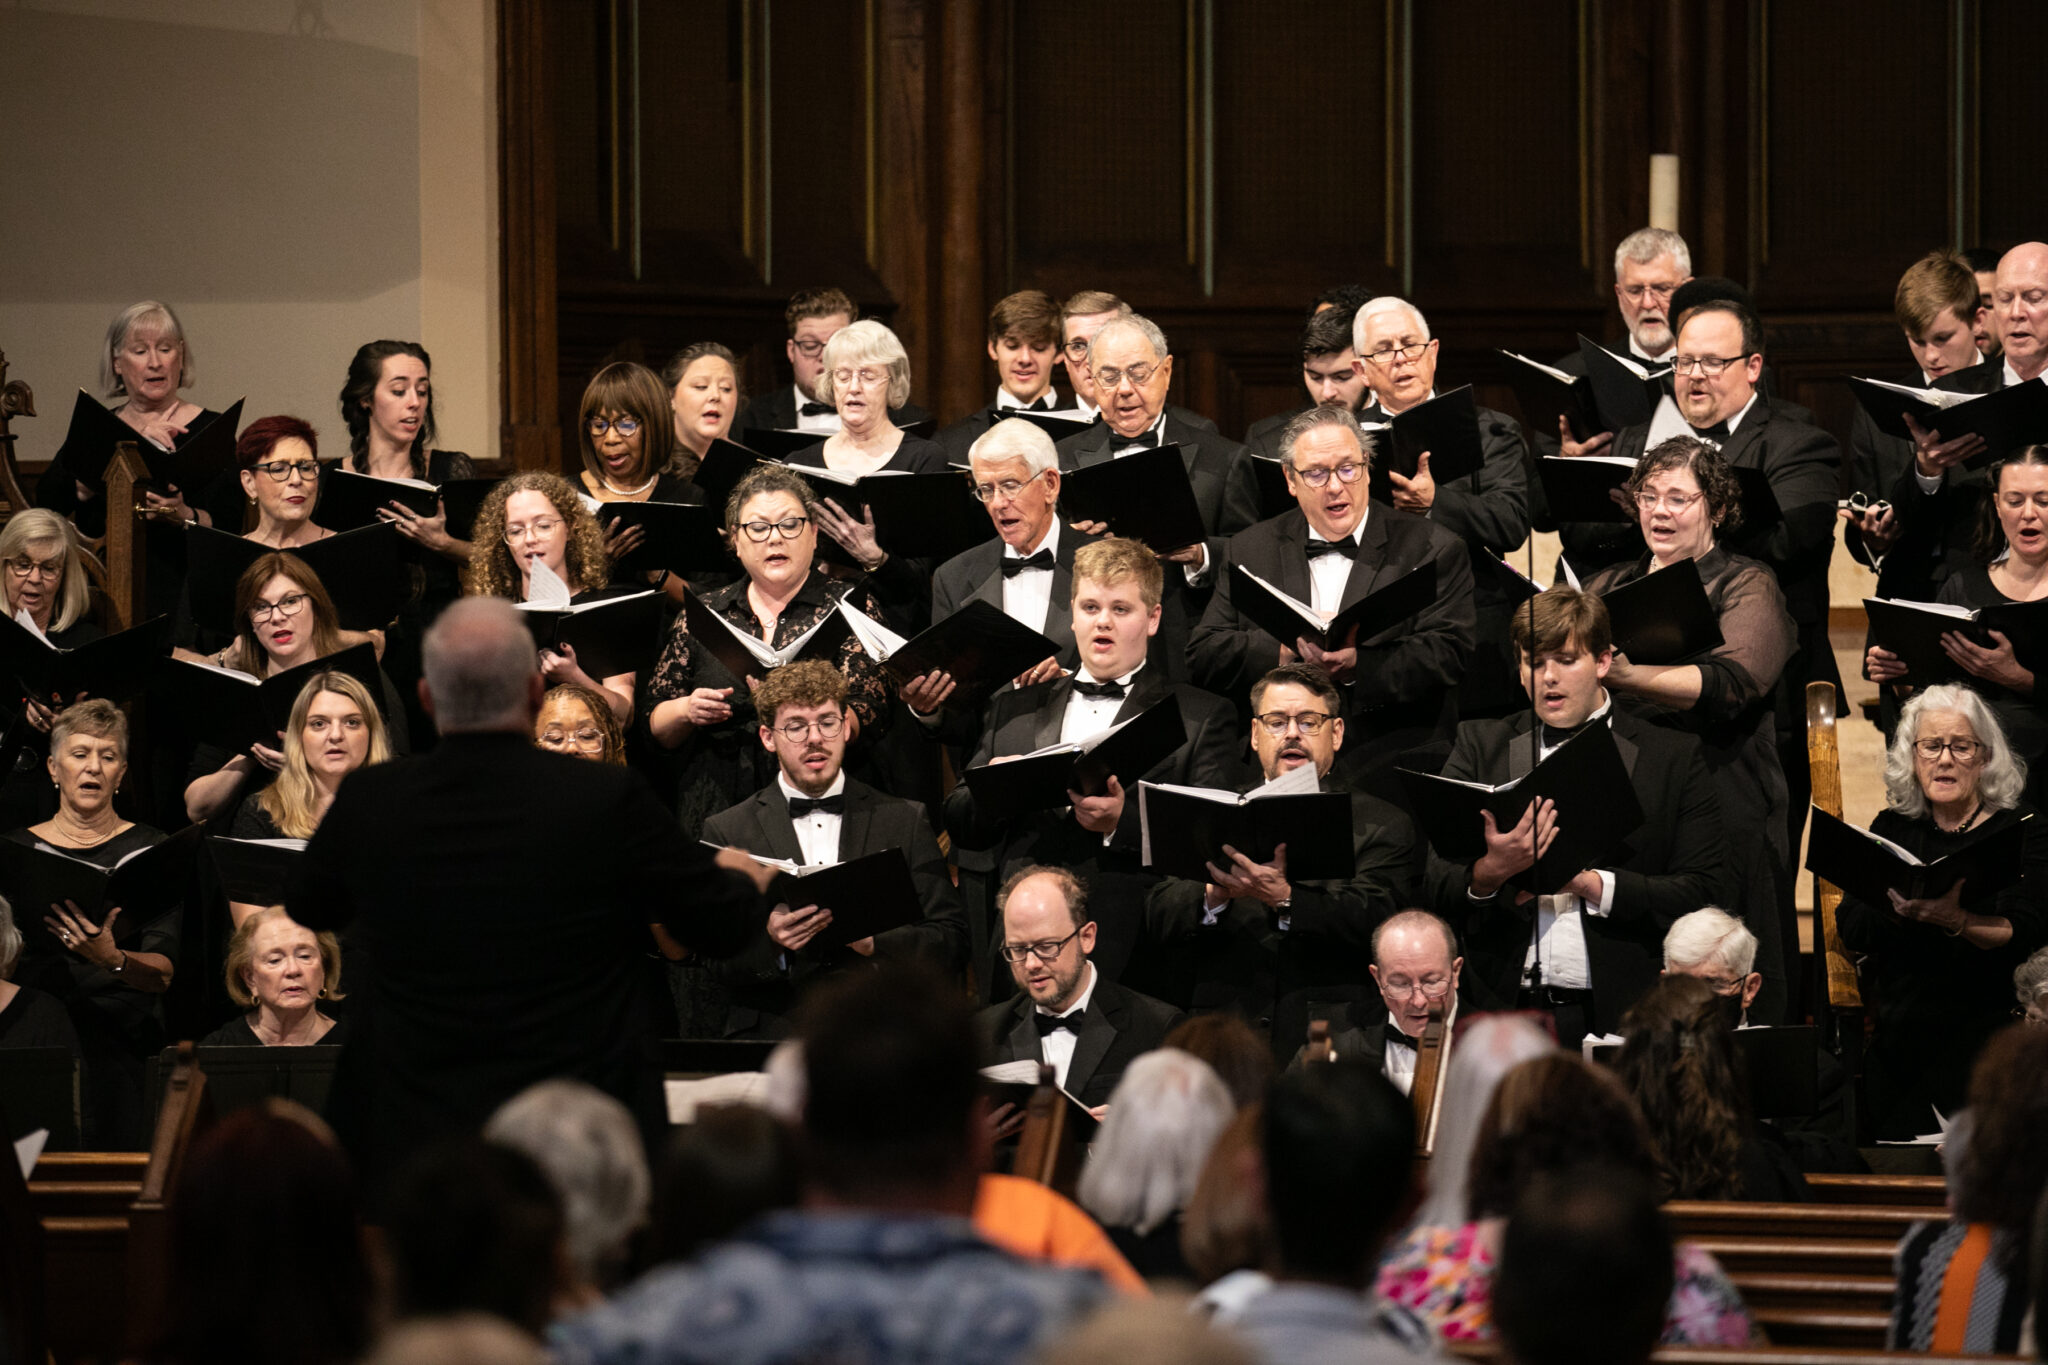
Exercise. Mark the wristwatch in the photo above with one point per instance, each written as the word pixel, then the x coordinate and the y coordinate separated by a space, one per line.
pixel 118 965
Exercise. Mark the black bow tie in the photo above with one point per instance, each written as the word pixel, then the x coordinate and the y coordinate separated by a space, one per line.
pixel 1398 1038
pixel 1044 404
pixel 1146 440
pixel 816 410
pixel 1554 736
pixel 1016 564
pixel 1049 1024
pixel 1085 688
pixel 800 806
pixel 1346 547
pixel 1716 432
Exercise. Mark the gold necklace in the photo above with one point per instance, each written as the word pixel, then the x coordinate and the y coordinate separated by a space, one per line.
pixel 76 841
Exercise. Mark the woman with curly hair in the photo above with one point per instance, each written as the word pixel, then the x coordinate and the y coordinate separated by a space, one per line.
pixel 575 721
pixel 537 518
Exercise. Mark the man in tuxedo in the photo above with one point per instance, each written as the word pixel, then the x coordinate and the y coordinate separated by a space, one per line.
pixel 1415 965
pixel 1115 613
pixel 1081 317
pixel 1023 340
pixel 812 814
pixel 1983 263
pixel 1331 550
pixel 814 317
pixel 1585 950
pixel 504 894
pixel 1270 946
pixel 1067 1012
pixel 1329 374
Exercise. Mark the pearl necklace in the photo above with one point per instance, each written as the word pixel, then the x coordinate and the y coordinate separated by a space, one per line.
pixel 610 487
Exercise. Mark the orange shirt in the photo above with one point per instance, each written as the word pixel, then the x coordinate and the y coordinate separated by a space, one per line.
pixel 1026 1218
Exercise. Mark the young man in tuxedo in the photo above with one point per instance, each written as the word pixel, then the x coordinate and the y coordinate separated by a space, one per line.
pixel 1398 687
pixel 1066 1012
pixel 1115 614
pixel 814 317
pixel 1415 966
pixel 1583 951
pixel 1267 945
pixel 1329 374
pixel 813 813
pixel 1024 342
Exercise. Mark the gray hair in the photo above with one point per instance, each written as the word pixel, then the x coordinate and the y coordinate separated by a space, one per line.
pixel 858 343
pixel 10 941
pixel 1016 439
pixel 2029 979
pixel 1710 937
pixel 154 316
pixel 1489 1049
pixel 479 661
pixel 1646 244
pixel 589 1147
pixel 1136 322
pixel 2003 777
pixel 1385 303
pixel 1328 415
pixel 1164 1116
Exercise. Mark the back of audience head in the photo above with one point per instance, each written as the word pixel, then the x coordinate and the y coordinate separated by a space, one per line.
pixel 1233 1050
pixel 1226 1226
pixel 458 1339
pixel 473 1226
pixel 1153 1331
pixel 1686 1074
pixel 265 1260
pixel 1339 1142
pixel 1716 947
pixel 733 1163
pixel 2003 1168
pixel 893 1115
pixel 1487 1049
pixel 1164 1116
pixel 1585 1271
pixel 589 1146
pixel 478 658
pixel 2029 988
pixel 1552 1113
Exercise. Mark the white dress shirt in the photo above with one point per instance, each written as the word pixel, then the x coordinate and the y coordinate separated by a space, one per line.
pixel 1027 597
pixel 1640 354
pixel 817 833
pixel 1668 422
pixel 1396 1061
pixel 1327 574
pixel 1558 945
pixel 1057 1047
pixel 1085 408
pixel 1089 716
pixel 824 423
pixel 1050 398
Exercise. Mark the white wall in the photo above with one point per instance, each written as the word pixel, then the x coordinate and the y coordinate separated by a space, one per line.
pixel 294 178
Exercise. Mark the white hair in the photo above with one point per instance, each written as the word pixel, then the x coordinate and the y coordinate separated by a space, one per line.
pixel 590 1148
pixel 2002 776
pixel 10 941
pixel 1646 244
pixel 2029 979
pixel 1164 1117
pixel 479 661
pixel 149 315
pixel 1491 1047
pixel 865 342
pixel 1136 322
pixel 1016 439
pixel 1710 937
pixel 1385 303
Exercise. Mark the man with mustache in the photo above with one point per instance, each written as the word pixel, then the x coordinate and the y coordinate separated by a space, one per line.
pixel 813 813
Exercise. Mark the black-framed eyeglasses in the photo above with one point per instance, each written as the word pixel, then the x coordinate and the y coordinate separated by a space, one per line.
pixel 797 731
pixel 1006 488
pixel 1347 472
pixel 1045 950
pixel 627 427
pixel 789 528
pixel 282 470
pixel 1394 355
pixel 810 350
pixel 1708 365
pixel 1965 750
pixel 1310 723
pixel 288 605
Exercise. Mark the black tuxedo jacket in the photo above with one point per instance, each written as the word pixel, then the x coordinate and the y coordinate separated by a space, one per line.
pixel 1938 530
pixel 1118 1026
pixel 1403 692
pixel 1674 864
pixel 959 438
pixel 504 895
pixel 775 410
pixel 764 980
pixel 976 575
pixel 1263 436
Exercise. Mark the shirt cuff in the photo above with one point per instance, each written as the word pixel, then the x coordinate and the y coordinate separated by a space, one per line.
pixel 1606 905
pixel 1198 573
pixel 1928 486
pixel 1211 914
pixel 929 722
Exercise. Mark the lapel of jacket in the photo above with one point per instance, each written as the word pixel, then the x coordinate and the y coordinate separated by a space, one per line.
pixel 855 837
pixel 771 812
pixel 1059 607
pixel 1293 577
pixel 1050 715
pixel 1148 687
pixel 1371 566
pixel 1747 446
pixel 1023 1036
pixel 1521 755
pixel 1099 1026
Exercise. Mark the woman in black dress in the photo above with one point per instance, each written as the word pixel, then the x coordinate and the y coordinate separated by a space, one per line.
pixel 626 433
pixel 1944 965
pixel 28 1017
pixel 703 383
pixel 279 972
pixel 43 580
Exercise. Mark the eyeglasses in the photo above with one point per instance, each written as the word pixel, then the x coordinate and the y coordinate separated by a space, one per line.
pixel 1725 985
pixel 627 427
pixel 1347 472
pixel 539 526
pixel 1044 951
pixel 1636 293
pixel 1005 488
pixel 282 470
pixel 1077 349
pixel 1394 355
pixel 1965 750
pixel 809 350
pixel 1310 723
pixel 1708 365
pixel 1429 988
pixel 1677 502
pixel 288 605
pixel 48 570
pixel 788 528
pixel 864 378
pixel 797 731
pixel 1110 377
pixel 588 737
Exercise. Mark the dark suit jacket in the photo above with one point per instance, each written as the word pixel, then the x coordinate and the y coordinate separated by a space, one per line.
pixel 504 894
pixel 1117 1027
pixel 1938 530
pixel 1671 866
pixel 1402 694
pixel 1263 436
pixel 775 410
pixel 765 981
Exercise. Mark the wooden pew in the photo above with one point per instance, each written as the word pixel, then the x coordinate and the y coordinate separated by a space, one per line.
pixel 1842 1021
pixel 1928 1192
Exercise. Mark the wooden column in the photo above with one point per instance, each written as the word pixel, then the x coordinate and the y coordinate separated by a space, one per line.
pixel 958 358
pixel 531 436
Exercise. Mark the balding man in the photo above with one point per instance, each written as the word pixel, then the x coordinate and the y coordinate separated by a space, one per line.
pixel 1081 317
pixel 1416 966
pixel 504 894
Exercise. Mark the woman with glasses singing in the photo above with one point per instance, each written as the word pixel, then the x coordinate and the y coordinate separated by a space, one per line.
pixel 45 585
pixel 630 454
pixel 534 519
pixel 1944 963
pixel 1686 500
pixel 771 518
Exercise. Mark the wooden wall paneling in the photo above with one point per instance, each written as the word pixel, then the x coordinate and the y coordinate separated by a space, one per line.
pixel 964 164
pixel 2011 196
pixel 903 204
pixel 531 435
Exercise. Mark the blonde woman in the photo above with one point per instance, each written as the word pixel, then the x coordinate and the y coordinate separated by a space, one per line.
pixel 45 586
pixel 279 971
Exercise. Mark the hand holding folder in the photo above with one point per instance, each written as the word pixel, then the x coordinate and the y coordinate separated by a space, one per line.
pixel 233 710
pixel 1663 617
pixel 95 431
pixel 1287 618
pixel 866 896
pixel 114 666
pixel 365 572
pixel 979 646
pixel 1871 867
pixel 745 655
pixel 1043 778
pixel 1446 428
pixel 1184 829
pixel 1144 496
pixel 143 884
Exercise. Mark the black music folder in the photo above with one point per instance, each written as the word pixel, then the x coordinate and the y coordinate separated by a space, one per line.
pixel 143 884
pixel 721 469
pixel 1516 585
pixel 868 895
pixel 1625 391
pixel 1184 829
pixel 980 645
pixel 1041 779
pixel 1584 778
pixel 1014 1083
pixel 1867 865
pixel 1585 487
pixel 779 443
pixel 349 500
pixel 1913 631
pixel 365 571
pixel 743 655
pixel 114 666
pixel 1663 617
pixel 685 538
pixel 232 709
pixel 2006 418
pixel 1547 393
pixel 613 634
pixel 94 432
pixel 1059 425
pixel 1287 618
pixel 1271 476
pixel 1144 495
pixel 929 515
pixel 255 871
pixel 1446 426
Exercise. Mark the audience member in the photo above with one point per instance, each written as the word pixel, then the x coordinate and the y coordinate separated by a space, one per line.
pixel 586 1143
pixel 1164 1116
pixel 1226 1233
pixel 476 1227
pixel 727 1167
pixel 1040 1224
pixel 1233 1050
pixel 279 971
pixel 2029 986
pixel 1585 1271
pixel 459 1339
pixel 1488 1048
pixel 1161 1332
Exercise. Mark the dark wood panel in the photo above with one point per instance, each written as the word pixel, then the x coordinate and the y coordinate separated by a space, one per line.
pixel 693 174
pixel 2012 194
pixel 819 122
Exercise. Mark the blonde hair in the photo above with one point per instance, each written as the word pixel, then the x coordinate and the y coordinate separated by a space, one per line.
pixel 33 526
pixel 292 799
pixel 148 313
pixel 491 572
pixel 1113 561
pixel 242 956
